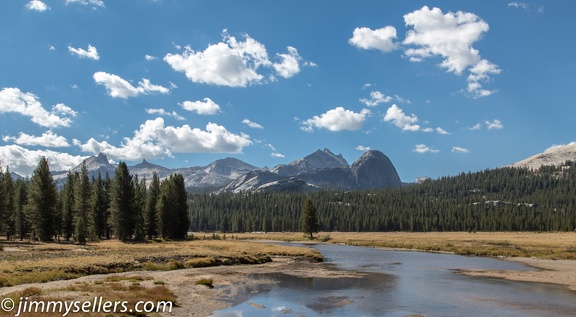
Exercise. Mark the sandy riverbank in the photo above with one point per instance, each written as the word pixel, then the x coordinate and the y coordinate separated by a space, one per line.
pixel 232 284
pixel 561 272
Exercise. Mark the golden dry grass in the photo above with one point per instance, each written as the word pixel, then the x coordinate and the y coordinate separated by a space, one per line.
pixel 560 245
pixel 126 291
pixel 29 263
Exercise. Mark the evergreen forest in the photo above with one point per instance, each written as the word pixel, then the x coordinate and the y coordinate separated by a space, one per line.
pixel 123 207
pixel 504 199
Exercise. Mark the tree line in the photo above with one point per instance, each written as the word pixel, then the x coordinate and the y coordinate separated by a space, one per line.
pixel 128 208
pixel 90 209
pixel 504 199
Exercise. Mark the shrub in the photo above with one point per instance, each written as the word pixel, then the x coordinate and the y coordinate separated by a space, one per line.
pixel 206 282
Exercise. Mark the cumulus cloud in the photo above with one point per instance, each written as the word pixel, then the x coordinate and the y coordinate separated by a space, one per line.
pixel 423 148
pixel 251 124
pixel 380 39
pixel 120 88
pixel 475 127
pixel 23 161
pixel 442 131
pixel 460 150
pixel 91 53
pixel 521 5
pixel 437 34
pixel 47 139
pixel 233 63
pixel 94 3
pixel 150 57
pixel 377 98
pixel 363 148
pixel 27 104
pixel 450 36
pixel 37 5
pixel 207 106
pixel 155 140
pixel 290 63
pixel 494 124
pixel 162 112
pixel 397 116
pixel 337 119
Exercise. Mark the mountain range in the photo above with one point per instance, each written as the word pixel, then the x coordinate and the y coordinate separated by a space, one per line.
pixel 319 170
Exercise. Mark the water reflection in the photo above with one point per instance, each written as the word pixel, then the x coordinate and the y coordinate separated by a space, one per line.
pixel 404 284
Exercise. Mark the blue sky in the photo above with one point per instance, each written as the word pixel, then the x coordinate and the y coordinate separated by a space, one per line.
pixel 441 87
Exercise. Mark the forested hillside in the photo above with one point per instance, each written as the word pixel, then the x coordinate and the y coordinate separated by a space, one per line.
pixel 505 199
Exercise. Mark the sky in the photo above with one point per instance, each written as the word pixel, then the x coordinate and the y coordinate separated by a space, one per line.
pixel 440 87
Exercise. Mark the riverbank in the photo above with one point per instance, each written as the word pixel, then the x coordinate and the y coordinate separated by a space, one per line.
pixel 553 255
pixel 560 272
pixel 230 285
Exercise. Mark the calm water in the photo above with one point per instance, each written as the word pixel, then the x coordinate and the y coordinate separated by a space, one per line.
pixel 403 284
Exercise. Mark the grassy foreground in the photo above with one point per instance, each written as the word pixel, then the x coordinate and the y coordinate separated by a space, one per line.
pixel 560 245
pixel 23 263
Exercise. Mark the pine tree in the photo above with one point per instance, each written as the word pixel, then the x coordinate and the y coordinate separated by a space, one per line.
pixel 308 218
pixel 151 201
pixel 122 203
pixel 67 205
pixel 42 196
pixel 82 197
pixel 21 199
pixel 99 207
pixel 181 208
pixel 165 208
pixel 139 207
pixel 3 198
pixel 9 204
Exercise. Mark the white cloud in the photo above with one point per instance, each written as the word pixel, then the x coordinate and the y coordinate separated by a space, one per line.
pixel 23 161
pixel 37 5
pixel 251 124
pixel 162 112
pixel 450 36
pixel 232 62
pixel 91 53
pixel 64 110
pixel 400 119
pixel 377 98
pixel 477 126
pixel 207 106
pixel 27 104
pixel 494 124
pixel 363 148
pixel 277 155
pixel 290 64
pixel 422 149
pixel 47 139
pixel 380 39
pixel 557 146
pixel 150 57
pixel 155 140
pixel 461 150
pixel 120 88
pixel 95 3
pixel 337 119
pixel 521 5
pixel 442 131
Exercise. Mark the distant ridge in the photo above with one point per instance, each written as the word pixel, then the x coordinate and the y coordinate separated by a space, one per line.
pixel 555 155
pixel 321 169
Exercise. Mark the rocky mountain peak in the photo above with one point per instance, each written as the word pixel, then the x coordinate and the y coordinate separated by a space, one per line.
pixel 375 170
pixel 555 155
pixel 320 159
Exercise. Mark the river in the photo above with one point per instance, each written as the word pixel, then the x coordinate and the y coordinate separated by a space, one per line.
pixel 399 283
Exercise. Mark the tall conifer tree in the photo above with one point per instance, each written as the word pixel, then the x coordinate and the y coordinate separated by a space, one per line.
pixel 122 203
pixel 41 207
